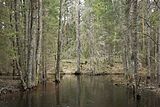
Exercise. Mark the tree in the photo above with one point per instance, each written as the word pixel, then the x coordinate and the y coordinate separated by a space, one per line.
pixel 59 44
pixel 78 35
pixel 158 70
pixel 134 57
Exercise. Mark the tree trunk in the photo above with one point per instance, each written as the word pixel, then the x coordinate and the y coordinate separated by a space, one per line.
pixel 13 42
pixel 128 43
pixel 39 40
pixel 158 69
pixel 32 44
pixel 57 75
pixel 159 57
pixel 24 85
pixel 135 43
pixel 149 41
pixel 78 35
pixel 44 72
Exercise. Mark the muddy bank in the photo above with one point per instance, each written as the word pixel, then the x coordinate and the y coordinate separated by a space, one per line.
pixel 120 80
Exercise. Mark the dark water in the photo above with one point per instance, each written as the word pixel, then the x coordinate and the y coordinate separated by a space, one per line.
pixel 82 91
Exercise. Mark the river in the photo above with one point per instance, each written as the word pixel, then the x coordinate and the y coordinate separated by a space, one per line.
pixel 80 91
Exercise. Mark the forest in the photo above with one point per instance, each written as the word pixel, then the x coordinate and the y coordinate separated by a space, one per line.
pixel 79 53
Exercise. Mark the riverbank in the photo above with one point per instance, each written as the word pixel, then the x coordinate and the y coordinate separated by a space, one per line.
pixel 120 80
pixel 9 86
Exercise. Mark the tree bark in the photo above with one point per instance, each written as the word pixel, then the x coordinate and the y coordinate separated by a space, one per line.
pixel 135 43
pixel 78 35
pixel 32 44
pixel 158 69
pixel 57 75
pixel 39 40
pixel 149 40
pixel 127 38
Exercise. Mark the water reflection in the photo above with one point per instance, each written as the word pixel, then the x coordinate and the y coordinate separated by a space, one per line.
pixel 57 94
pixel 29 100
pixel 80 91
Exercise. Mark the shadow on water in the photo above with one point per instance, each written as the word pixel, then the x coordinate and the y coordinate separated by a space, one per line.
pixel 57 89
pixel 80 91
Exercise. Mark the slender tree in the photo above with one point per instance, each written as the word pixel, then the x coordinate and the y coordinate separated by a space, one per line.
pixel 57 75
pixel 148 38
pixel 158 70
pixel 78 35
pixel 39 39
pixel 135 42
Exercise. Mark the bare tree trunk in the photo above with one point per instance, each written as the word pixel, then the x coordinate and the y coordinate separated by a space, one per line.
pixel 127 38
pixel 149 41
pixel 135 43
pixel 78 35
pixel 26 31
pixel 16 44
pixel 29 61
pixel 125 60
pixel 32 44
pixel 44 72
pixel 16 40
pixel 143 25
pixel 158 69
pixel 57 75
pixel 13 41
pixel 21 76
pixel 159 57
pixel 91 40
pixel 39 40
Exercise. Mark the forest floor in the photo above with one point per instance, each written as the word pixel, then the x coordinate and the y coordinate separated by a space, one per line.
pixel 69 67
